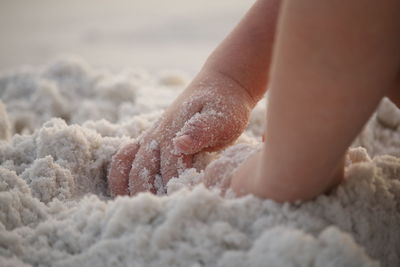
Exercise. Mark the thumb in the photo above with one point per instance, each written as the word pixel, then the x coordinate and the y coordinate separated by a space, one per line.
pixel 208 129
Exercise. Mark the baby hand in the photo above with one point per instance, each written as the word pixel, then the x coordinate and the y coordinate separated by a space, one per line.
pixel 209 115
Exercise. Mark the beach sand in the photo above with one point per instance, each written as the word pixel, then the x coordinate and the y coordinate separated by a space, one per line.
pixel 61 123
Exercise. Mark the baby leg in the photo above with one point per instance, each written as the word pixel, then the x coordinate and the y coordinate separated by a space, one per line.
pixel 333 62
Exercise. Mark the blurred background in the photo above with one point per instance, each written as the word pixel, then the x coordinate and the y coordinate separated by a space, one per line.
pixel 151 34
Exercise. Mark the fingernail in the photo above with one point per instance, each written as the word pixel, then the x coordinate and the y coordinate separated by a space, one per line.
pixel 183 143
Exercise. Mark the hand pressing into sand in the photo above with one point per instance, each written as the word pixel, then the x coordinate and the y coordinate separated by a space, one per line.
pixel 209 115
pixel 316 78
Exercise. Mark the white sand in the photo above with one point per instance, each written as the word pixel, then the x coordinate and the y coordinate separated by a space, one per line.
pixel 55 209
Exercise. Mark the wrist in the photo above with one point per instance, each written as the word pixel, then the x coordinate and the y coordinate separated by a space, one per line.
pixel 232 83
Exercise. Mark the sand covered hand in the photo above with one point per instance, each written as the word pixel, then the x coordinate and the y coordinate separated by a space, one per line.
pixel 209 115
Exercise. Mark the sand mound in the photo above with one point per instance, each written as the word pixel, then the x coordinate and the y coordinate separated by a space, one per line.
pixel 55 208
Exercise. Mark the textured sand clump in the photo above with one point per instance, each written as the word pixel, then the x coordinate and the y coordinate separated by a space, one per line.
pixel 55 206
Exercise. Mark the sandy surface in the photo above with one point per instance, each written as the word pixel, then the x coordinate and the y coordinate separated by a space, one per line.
pixel 56 211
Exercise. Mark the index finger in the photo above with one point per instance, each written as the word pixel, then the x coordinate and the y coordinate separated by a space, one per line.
pixel 121 164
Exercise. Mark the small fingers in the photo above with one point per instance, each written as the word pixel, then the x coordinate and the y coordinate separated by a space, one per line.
pixel 209 130
pixel 199 132
pixel 145 168
pixel 172 165
pixel 121 163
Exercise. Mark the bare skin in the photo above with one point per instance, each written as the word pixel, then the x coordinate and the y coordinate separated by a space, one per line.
pixel 327 56
pixel 210 114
